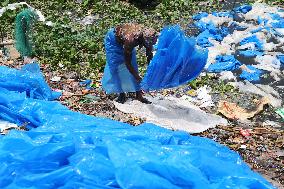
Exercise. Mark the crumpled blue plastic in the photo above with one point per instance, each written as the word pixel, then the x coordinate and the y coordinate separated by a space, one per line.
pixel 253 39
pixel 250 53
pixel 236 26
pixel 281 58
pixel 210 31
pixel 243 9
pixel 279 21
pixel 177 61
pixel 253 75
pixel 29 80
pixel 72 150
pixel 262 20
pixel 224 63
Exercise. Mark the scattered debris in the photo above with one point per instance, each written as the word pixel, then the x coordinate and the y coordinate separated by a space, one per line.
pixel 200 97
pixel 55 79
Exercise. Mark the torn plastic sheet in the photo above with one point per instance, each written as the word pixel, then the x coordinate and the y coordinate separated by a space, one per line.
pixel 269 63
pixel 224 63
pixel 228 76
pixel 72 150
pixel 175 113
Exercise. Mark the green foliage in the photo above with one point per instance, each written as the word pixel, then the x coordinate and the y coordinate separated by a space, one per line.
pixel 80 47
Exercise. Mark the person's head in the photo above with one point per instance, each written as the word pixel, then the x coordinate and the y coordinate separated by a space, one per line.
pixel 150 37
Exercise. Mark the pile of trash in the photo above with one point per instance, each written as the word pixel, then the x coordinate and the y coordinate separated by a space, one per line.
pixel 65 149
pixel 247 41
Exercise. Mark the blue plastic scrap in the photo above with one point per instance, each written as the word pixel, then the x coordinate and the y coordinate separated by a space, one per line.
pixel 224 63
pixel 252 74
pixel 279 21
pixel 281 58
pixel 234 26
pixel 253 39
pixel 87 83
pixel 262 20
pixel 243 9
pixel 72 150
pixel 177 61
pixel 250 53
pixel 210 31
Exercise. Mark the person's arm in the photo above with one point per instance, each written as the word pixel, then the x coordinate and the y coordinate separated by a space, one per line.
pixel 128 57
pixel 149 54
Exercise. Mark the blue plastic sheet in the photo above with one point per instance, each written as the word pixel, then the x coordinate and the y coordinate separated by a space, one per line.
pixel 253 74
pixel 177 61
pixel 73 150
pixel 224 63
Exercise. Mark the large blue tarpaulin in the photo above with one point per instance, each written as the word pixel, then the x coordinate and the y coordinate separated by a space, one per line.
pixel 66 149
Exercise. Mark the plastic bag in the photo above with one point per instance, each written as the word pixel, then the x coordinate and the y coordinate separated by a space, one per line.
pixel 176 61
pixel 224 63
